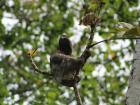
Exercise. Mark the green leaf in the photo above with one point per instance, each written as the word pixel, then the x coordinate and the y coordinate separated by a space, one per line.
pixel 133 32
pixel 122 26
pixel 127 30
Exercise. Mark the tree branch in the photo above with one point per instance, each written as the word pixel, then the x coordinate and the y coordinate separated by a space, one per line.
pixel 106 40
pixel 86 53
pixel 90 38
pixel 77 95
pixel 37 69
pixel 92 45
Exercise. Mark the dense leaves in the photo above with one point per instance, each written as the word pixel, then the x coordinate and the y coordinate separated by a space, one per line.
pixel 31 24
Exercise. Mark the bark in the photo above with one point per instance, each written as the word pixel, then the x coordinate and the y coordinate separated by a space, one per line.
pixel 133 92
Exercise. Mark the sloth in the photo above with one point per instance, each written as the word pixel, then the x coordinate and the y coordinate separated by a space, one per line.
pixel 64 67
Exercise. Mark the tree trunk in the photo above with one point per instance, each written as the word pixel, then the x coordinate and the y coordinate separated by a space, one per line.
pixel 133 93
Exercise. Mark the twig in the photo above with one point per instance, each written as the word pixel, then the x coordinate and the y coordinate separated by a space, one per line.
pixel 36 68
pixel 106 40
pixel 77 95
pixel 99 42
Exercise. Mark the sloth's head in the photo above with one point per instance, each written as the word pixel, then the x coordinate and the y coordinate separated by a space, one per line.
pixel 65 45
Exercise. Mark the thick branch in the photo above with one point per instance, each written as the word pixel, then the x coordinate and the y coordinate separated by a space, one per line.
pixel 90 38
pixel 37 69
pixel 86 53
pixel 77 95
pixel 93 26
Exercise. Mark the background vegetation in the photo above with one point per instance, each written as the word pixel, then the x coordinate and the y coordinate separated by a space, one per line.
pixel 30 24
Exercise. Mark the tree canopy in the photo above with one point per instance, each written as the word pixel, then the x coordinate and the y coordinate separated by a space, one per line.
pixel 37 24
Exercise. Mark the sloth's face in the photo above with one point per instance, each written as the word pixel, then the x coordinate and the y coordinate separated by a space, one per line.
pixel 65 45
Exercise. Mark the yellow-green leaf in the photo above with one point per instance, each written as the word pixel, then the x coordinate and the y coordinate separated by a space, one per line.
pixel 32 52
pixel 133 32
pixel 125 25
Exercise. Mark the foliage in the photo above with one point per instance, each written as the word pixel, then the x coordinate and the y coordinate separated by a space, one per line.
pixel 38 24
pixel 128 30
